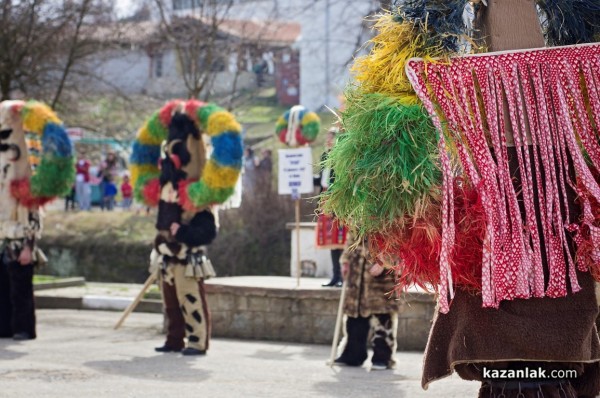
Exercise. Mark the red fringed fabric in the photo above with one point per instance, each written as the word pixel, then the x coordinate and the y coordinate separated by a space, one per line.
pixel 21 190
pixel 330 233
pixel 553 109
pixel 416 251
pixel 151 192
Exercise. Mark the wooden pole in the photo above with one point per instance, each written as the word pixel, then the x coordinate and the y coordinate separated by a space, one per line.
pixel 137 299
pixel 298 268
pixel 338 325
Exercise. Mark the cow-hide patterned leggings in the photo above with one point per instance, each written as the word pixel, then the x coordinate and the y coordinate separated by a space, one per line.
pixel 186 309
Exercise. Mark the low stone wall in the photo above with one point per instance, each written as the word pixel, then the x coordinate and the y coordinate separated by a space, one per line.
pixel 242 310
pixel 304 315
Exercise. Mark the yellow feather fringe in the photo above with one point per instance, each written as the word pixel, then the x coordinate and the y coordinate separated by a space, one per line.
pixel 144 136
pixel 37 115
pixel 382 70
pixel 137 170
pixel 221 122
pixel 216 176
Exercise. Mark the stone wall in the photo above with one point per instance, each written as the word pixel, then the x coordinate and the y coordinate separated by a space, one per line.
pixel 297 315
pixel 304 315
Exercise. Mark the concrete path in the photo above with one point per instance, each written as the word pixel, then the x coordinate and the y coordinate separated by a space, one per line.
pixel 77 354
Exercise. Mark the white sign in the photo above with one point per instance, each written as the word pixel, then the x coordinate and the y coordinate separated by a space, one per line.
pixel 295 171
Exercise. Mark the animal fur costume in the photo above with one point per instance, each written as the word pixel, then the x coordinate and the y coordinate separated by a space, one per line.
pixel 424 170
pixel 368 310
pixel 184 186
pixel 36 165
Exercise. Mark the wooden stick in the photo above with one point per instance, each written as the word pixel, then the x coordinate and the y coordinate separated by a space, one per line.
pixel 298 270
pixel 137 299
pixel 338 325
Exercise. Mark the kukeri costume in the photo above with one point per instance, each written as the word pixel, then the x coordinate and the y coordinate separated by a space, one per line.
pixel 36 165
pixel 368 311
pixel 506 234
pixel 172 169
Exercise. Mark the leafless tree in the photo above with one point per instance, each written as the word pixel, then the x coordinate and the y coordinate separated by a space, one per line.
pixel 195 39
pixel 42 44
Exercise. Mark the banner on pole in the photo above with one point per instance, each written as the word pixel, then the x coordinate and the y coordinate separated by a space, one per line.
pixel 295 171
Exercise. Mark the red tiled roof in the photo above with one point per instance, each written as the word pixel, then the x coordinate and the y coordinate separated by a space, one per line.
pixel 273 32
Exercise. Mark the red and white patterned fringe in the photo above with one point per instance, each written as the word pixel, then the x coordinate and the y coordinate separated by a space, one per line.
pixel 554 111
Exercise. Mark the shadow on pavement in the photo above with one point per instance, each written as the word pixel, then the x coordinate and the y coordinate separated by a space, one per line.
pixel 360 381
pixel 164 367
pixel 6 354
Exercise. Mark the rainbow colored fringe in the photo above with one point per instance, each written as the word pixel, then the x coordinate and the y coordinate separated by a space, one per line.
pixel 310 125
pixel 221 171
pixel 50 155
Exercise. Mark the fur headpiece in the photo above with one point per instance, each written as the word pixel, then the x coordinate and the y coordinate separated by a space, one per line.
pixel 49 151
pixel 298 126
pixel 215 180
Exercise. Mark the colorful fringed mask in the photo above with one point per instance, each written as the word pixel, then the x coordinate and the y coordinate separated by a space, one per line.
pixel 298 126
pixel 38 162
pixel 176 131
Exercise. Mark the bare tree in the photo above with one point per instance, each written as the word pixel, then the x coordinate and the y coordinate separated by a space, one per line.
pixel 195 40
pixel 42 44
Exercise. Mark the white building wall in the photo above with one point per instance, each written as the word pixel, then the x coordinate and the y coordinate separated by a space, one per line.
pixel 133 72
pixel 127 70
pixel 319 85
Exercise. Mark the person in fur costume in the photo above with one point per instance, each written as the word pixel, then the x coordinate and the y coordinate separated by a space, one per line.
pixel 185 186
pixel 36 165
pixel 477 176
pixel 368 310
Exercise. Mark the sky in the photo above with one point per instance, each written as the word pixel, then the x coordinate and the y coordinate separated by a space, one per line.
pixel 124 8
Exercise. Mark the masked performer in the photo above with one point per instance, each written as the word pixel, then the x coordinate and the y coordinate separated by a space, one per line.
pixel 171 168
pixel 36 165
pixel 368 308
pixel 493 201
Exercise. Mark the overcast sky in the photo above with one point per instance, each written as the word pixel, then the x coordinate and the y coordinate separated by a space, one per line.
pixel 124 8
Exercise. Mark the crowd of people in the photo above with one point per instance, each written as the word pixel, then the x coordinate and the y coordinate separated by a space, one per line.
pixel 108 178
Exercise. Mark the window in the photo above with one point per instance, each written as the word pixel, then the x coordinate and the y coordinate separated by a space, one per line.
pixel 157 65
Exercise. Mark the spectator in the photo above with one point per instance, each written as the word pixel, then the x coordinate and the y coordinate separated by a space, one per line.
pixel 108 172
pixel 83 191
pixel 323 180
pixel 110 191
pixel 264 170
pixel 368 310
pixel 249 177
pixel 126 192
pixel 70 200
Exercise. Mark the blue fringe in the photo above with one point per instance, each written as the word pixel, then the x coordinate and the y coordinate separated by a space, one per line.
pixel 228 149
pixel 144 154
pixel 55 141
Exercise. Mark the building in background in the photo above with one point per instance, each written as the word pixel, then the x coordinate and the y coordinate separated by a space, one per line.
pixel 143 60
pixel 332 32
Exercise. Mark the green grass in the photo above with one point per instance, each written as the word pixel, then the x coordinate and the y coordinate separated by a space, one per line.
pixel 45 278
pixel 152 293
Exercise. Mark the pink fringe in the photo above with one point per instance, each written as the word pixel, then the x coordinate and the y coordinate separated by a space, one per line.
pixel 554 95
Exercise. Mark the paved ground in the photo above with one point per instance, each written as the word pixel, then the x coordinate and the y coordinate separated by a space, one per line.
pixel 78 355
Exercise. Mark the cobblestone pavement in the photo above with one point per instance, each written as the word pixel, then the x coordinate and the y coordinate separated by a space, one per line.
pixel 77 354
